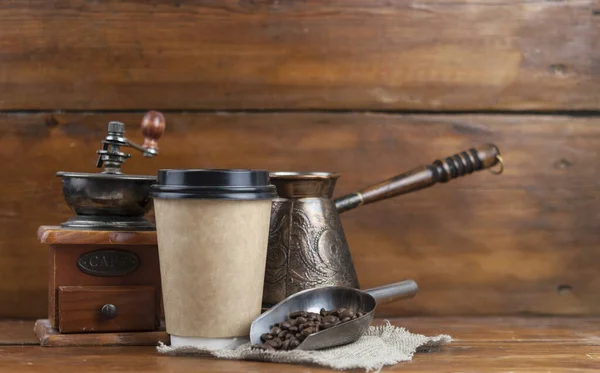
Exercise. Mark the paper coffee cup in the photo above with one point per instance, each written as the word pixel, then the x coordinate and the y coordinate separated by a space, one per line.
pixel 213 230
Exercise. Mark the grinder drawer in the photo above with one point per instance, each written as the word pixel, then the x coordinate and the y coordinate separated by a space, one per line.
pixel 106 308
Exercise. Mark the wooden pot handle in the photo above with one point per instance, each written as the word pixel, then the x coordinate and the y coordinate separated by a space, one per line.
pixel 440 171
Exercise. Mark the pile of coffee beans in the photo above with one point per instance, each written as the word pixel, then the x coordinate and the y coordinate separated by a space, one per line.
pixel 289 334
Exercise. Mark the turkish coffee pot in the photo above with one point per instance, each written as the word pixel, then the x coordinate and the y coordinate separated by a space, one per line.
pixel 307 246
pixel 112 200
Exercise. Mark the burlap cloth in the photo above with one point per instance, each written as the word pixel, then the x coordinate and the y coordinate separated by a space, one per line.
pixel 380 346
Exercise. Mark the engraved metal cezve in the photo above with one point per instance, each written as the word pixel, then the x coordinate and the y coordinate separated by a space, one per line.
pixel 111 262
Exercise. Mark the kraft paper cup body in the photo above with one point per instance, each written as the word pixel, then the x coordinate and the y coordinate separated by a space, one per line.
pixel 212 254
pixel 212 261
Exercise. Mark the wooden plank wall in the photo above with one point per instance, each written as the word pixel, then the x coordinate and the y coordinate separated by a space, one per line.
pixel 367 88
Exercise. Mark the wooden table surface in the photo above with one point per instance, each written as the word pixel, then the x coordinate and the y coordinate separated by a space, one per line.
pixel 480 345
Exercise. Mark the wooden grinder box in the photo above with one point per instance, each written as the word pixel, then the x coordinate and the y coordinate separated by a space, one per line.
pixel 102 282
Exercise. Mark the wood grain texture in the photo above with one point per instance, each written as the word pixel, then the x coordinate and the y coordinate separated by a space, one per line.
pixel 64 272
pixel 525 242
pixel 57 235
pixel 344 54
pixel 493 358
pixel 480 345
pixel 79 308
pixel 49 337
pixel 17 332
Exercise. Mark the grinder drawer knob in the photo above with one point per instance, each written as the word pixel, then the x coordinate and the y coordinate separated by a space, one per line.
pixel 109 311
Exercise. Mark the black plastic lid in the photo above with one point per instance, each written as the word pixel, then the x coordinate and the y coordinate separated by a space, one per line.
pixel 213 184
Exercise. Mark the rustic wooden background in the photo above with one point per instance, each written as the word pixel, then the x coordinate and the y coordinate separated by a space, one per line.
pixel 367 88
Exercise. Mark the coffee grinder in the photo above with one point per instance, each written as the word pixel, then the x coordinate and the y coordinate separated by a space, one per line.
pixel 104 280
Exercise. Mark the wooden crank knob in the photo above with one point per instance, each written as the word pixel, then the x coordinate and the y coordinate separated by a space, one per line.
pixel 153 126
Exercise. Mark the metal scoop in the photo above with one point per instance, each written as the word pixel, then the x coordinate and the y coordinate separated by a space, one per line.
pixel 330 298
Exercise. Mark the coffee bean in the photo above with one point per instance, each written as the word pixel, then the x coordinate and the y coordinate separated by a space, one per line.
pixel 330 319
pixel 338 312
pixel 308 331
pixel 346 313
pixel 276 342
pixel 290 333
pixel 293 315
pixel 266 337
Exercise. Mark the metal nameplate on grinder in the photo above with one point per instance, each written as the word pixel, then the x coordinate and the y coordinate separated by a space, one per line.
pixel 108 262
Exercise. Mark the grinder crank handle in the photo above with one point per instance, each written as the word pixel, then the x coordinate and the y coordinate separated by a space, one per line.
pixel 153 126
pixel 440 171
pixel 393 292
